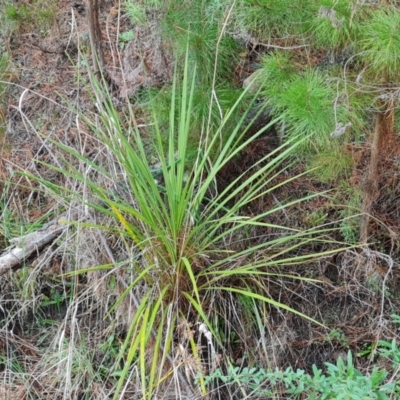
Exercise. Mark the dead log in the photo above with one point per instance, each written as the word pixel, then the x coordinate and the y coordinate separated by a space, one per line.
pixel 30 245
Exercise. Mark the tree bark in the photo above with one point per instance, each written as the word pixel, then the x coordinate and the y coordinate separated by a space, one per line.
pixel 92 7
pixel 382 140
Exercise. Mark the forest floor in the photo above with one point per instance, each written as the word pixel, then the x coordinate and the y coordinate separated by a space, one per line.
pixel 358 289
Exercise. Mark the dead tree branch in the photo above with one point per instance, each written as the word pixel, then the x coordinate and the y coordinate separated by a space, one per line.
pixel 30 245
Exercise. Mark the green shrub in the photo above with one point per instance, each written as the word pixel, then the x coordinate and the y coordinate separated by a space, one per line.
pixel 340 382
pixel 189 239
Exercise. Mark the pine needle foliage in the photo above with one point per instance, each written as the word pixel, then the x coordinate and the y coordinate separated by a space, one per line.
pixel 195 27
pixel 307 104
pixel 332 25
pixel 190 24
pixel 264 18
pixel 136 12
pixel 380 42
pixel 277 70
pixel 305 100
pixel 331 165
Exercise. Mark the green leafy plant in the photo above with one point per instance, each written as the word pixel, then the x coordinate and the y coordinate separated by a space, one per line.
pixel 341 381
pixel 125 37
pixel 391 349
pixel 187 236
pixel 338 336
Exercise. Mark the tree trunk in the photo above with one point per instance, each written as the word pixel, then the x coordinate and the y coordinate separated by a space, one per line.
pixel 381 147
pixel 95 36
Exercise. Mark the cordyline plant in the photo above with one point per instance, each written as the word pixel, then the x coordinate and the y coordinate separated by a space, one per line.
pixel 186 233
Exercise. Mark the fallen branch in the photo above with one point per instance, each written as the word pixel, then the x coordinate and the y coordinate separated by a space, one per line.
pixel 30 245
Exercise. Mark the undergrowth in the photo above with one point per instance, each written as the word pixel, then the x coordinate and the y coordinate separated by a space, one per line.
pixel 336 381
pixel 194 239
pixel 186 239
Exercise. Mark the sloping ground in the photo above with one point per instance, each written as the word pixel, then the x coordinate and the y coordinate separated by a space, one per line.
pixel 47 317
